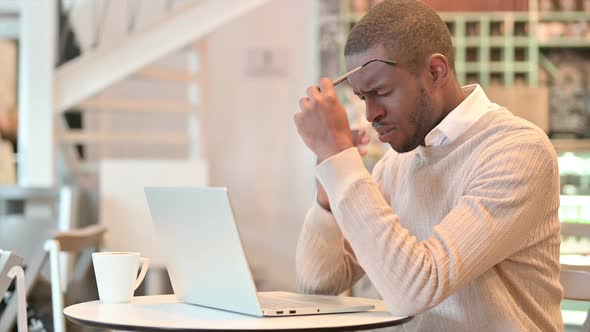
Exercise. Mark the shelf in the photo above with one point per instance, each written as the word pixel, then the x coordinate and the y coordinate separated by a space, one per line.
pixel 565 43
pixel 483 41
pixel 472 41
pixel 497 66
pixel 522 41
pixel 496 41
pixel 564 16
pixel 570 144
pixel 493 16
pixel 467 16
pixel 515 66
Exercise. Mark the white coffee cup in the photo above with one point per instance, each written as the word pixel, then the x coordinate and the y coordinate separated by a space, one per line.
pixel 116 275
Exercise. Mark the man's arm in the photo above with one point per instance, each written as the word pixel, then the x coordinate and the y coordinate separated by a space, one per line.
pixel 514 191
pixel 325 261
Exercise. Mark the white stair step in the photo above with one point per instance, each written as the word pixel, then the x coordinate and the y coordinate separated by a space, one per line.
pixel 94 71
pixel 156 73
pixel 135 105
pixel 83 136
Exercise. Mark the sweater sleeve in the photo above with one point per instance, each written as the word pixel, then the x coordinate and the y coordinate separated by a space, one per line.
pixel 511 192
pixel 325 261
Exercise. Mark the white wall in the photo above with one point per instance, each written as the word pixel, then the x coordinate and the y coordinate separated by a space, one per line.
pixel 252 143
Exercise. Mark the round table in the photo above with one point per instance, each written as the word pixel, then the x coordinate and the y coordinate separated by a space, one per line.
pixel 164 312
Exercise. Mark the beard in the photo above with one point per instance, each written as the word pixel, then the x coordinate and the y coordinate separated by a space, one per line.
pixel 420 120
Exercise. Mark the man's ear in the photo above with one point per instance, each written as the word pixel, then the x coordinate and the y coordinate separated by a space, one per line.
pixel 438 68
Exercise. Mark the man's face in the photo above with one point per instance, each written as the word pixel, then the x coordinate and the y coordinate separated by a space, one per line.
pixel 397 104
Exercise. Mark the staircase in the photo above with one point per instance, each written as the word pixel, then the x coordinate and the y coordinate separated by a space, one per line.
pixel 93 83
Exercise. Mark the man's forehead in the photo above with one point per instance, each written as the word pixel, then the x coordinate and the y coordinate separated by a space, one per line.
pixel 371 76
pixel 359 59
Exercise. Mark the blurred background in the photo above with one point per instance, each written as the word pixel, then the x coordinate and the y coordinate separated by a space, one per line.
pixel 99 98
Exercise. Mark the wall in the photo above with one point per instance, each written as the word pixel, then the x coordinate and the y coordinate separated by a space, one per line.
pixel 252 143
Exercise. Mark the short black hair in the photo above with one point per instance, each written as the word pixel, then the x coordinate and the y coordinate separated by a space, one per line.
pixel 409 31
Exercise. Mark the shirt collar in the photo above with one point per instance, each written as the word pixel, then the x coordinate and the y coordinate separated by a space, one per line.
pixel 461 118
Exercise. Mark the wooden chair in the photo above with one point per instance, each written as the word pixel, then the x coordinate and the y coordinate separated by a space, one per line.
pixel 81 242
pixel 10 269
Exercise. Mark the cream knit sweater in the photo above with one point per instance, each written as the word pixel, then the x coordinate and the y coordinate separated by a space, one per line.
pixel 465 235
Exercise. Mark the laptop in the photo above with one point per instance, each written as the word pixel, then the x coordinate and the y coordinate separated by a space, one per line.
pixel 207 265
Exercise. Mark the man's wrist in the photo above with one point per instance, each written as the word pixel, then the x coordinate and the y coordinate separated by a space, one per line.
pixel 322 197
pixel 324 205
pixel 332 152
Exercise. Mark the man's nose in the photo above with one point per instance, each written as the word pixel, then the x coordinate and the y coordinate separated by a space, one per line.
pixel 374 111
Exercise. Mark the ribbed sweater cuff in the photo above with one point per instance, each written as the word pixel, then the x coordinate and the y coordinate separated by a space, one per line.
pixel 340 171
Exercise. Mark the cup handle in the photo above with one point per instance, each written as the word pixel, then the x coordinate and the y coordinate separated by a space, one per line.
pixel 145 263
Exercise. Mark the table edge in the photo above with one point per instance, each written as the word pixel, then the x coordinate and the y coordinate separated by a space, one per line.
pixel 91 323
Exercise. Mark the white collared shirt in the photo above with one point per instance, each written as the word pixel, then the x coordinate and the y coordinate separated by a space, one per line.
pixel 462 117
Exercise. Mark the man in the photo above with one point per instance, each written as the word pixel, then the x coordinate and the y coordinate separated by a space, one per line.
pixel 458 223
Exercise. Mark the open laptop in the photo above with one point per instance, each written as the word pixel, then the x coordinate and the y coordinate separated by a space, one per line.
pixel 206 262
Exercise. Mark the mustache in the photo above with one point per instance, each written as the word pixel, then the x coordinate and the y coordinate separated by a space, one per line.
pixel 379 125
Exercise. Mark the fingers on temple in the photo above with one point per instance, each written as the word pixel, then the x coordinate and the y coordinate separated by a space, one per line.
pixel 360 136
pixel 364 139
pixel 363 152
pixel 358 133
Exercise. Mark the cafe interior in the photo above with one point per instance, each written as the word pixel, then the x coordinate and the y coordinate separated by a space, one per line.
pixel 102 98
